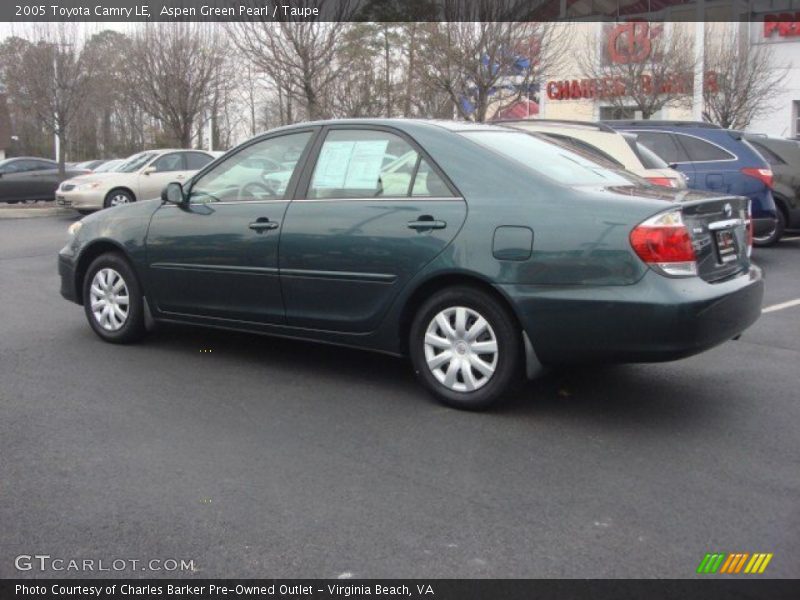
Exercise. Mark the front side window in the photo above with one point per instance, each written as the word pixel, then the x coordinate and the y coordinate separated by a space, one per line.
pixel 371 164
pixel 700 150
pixel 261 171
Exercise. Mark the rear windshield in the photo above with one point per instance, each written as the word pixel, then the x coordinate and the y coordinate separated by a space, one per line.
pixel 648 158
pixel 551 159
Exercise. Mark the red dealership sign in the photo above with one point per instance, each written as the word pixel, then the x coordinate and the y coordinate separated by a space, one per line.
pixel 784 24
pixel 612 87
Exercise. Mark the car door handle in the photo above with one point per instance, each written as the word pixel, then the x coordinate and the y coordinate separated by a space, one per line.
pixel 263 224
pixel 426 222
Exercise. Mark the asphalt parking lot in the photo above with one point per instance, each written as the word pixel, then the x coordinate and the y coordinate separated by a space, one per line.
pixel 258 457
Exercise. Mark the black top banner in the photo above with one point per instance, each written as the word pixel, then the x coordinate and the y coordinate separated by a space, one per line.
pixel 397 10
pixel 415 589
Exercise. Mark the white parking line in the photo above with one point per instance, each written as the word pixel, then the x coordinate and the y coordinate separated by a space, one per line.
pixel 781 306
pixel 790 239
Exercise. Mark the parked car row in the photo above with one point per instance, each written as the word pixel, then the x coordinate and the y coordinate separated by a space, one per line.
pixel 140 177
pixel 90 183
pixel 29 179
pixel 479 251
pixel 715 160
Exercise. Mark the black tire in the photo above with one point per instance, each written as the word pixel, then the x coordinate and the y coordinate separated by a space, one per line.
pixel 503 329
pixel 774 237
pixel 115 197
pixel 133 326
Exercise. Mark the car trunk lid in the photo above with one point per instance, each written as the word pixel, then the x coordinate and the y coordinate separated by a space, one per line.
pixel 719 231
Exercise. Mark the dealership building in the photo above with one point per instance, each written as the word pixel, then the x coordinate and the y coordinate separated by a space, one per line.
pixel 774 24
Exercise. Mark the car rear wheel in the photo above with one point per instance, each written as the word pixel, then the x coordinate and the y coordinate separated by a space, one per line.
pixel 117 197
pixel 112 300
pixel 465 348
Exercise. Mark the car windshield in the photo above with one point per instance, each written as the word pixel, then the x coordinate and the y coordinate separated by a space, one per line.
pixel 135 162
pixel 551 159
pixel 110 166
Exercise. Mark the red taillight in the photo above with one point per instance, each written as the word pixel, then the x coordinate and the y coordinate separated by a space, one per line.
pixel 664 242
pixel 663 181
pixel 763 175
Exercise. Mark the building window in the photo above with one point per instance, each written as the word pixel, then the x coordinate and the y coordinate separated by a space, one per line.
pixel 616 112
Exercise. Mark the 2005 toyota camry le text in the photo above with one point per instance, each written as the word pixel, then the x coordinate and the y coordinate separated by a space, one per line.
pixel 479 251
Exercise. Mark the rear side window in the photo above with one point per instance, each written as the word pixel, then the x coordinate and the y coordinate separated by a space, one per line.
pixel 593 152
pixel 33 165
pixel 169 162
pixel 551 159
pixel 663 145
pixel 648 158
pixel 371 164
pixel 197 160
pixel 700 150
pixel 428 183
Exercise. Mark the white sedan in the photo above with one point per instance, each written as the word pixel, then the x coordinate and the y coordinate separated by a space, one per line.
pixel 141 177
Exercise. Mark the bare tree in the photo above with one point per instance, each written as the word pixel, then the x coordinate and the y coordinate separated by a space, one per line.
pixel 298 55
pixel 743 79
pixel 642 66
pixel 51 78
pixel 485 67
pixel 175 71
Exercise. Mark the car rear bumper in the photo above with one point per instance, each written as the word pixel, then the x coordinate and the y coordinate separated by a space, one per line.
pixel 656 319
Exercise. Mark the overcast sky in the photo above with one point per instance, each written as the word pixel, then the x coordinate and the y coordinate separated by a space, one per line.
pixel 23 29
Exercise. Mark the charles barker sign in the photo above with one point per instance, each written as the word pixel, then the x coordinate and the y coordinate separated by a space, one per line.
pixel 628 43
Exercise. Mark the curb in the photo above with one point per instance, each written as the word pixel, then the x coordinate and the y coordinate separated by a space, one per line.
pixel 25 213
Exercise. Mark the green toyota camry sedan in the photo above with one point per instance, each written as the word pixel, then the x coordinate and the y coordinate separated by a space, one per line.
pixel 482 253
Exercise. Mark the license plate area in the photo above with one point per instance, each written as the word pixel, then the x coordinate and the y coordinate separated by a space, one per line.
pixel 726 246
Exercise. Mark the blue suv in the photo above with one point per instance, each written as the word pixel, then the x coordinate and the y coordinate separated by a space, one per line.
pixel 714 159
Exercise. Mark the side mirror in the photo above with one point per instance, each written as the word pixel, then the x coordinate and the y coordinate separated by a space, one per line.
pixel 173 193
pixel 148 170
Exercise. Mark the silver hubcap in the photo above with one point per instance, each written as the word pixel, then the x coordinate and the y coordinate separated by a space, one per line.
pixel 461 349
pixel 118 199
pixel 110 300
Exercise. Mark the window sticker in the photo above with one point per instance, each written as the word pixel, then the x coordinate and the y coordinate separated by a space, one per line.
pixel 350 165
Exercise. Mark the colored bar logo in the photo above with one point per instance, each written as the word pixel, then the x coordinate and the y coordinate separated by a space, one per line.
pixel 734 563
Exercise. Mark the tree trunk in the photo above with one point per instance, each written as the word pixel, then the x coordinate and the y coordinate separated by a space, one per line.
pixel 412 48
pixel 387 74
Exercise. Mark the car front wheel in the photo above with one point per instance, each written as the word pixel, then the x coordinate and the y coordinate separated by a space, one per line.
pixel 465 348
pixel 117 197
pixel 112 300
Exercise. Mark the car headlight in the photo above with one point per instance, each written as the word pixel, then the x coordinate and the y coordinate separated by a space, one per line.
pixel 73 229
pixel 84 187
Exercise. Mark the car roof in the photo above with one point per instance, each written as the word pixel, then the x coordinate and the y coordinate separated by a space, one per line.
pixel 401 124
pixel 560 123
pixel 659 123
pixel 29 158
